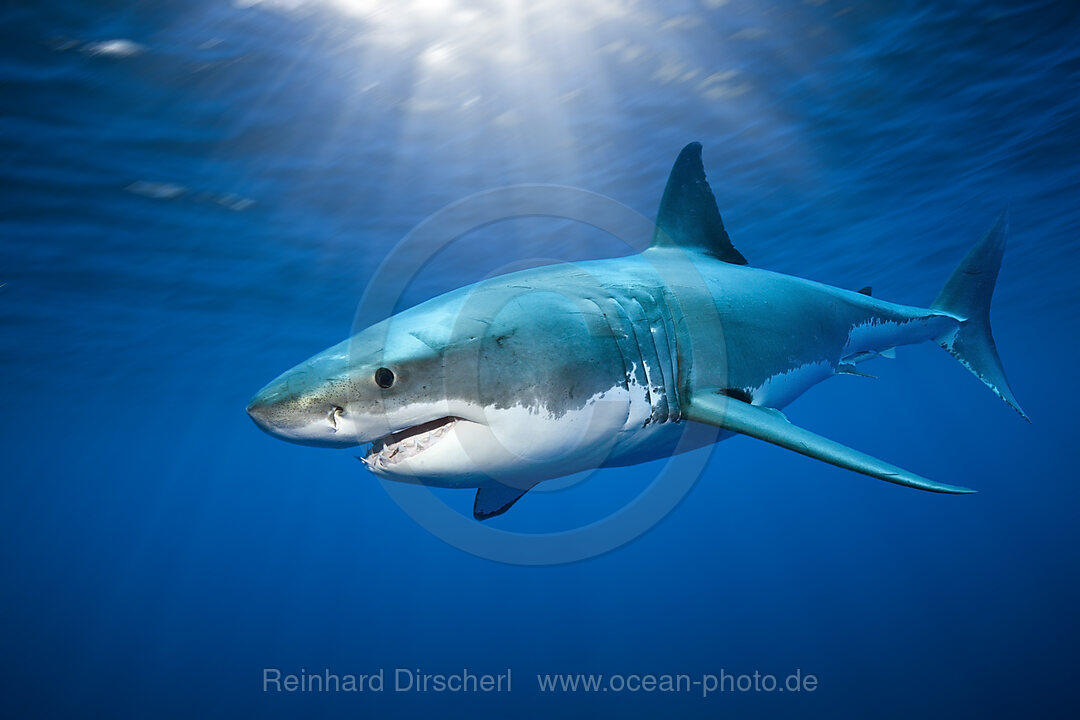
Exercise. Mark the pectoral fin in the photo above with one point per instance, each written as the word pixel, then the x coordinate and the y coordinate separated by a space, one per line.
pixel 771 426
pixel 496 499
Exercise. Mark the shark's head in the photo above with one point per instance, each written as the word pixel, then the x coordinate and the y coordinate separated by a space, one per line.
pixel 493 383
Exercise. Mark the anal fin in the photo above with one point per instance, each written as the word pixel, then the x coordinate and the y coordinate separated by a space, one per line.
pixel 770 426
pixel 850 369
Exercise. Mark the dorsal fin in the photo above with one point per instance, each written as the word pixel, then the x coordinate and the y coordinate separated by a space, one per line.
pixel 868 291
pixel 688 216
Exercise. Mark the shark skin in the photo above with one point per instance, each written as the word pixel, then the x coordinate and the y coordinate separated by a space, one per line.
pixel 545 372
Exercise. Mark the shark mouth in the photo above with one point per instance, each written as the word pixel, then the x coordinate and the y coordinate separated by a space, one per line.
pixel 407 443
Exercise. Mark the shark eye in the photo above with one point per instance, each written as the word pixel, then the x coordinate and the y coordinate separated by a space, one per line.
pixel 384 378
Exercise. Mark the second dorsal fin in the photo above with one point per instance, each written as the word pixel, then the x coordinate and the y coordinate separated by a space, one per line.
pixel 688 216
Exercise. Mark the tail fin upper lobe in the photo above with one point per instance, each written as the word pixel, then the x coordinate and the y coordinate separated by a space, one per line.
pixel 967 296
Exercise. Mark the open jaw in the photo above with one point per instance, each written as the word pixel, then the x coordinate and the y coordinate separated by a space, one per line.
pixel 407 443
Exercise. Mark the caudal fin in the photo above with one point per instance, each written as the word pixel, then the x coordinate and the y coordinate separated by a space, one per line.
pixel 967 296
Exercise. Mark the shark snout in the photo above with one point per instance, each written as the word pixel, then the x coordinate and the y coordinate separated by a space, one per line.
pixel 257 410
pixel 296 409
pixel 261 409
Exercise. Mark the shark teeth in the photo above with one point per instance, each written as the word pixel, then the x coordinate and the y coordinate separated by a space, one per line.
pixel 407 443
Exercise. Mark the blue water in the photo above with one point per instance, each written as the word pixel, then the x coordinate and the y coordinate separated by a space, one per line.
pixel 189 212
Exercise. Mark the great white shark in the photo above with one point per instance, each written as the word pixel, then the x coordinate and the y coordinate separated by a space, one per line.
pixel 545 372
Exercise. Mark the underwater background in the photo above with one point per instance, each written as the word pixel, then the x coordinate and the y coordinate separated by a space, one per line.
pixel 194 196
